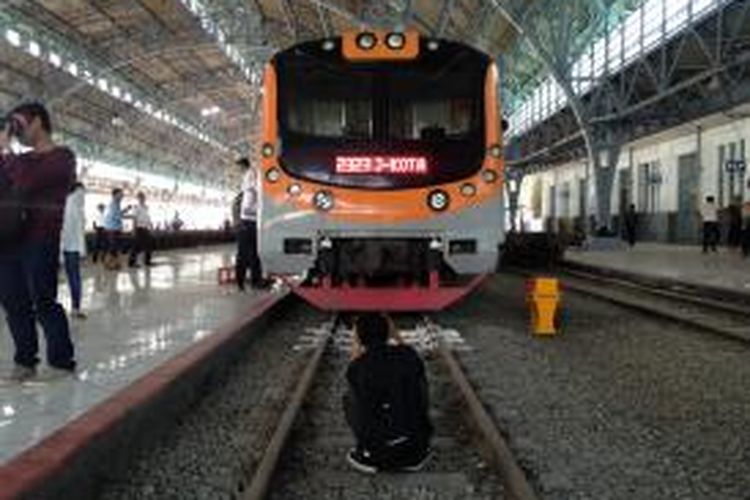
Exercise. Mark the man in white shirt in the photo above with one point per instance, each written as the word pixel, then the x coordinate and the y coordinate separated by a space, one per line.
pixel 73 244
pixel 100 239
pixel 142 240
pixel 710 217
pixel 247 230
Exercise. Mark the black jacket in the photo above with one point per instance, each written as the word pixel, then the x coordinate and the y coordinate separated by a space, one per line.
pixel 390 397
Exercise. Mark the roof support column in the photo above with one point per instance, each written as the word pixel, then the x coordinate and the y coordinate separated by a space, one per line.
pixel 606 148
pixel 560 72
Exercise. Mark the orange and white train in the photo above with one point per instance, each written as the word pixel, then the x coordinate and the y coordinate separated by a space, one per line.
pixel 381 171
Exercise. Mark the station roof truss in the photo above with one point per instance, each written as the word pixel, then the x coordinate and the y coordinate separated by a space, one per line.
pixel 671 62
pixel 175 86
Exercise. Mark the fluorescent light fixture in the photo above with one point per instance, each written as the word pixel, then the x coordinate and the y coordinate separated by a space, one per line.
pixel 213 110
pixel 34 49
pixel 80 67
pixel 13 37
pixel 55 60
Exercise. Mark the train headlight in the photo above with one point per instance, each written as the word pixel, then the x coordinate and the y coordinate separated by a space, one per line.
pixel 326 243
pixel 433 45
pixel 294 190
pixel 489 176
pixel 438 200
pixel 496 151
pixel 267 150
pixel 323 200
pixel 329 45
pixel 273 174
pixel 367 41
pixel 395 41
pixel 468 190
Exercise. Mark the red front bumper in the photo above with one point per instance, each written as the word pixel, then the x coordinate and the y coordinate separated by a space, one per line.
pixel 393 299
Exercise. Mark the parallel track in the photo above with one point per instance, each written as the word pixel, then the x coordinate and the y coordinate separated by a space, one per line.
pixel 726 318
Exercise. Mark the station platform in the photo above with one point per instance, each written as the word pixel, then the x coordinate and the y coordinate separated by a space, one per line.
pixel 137 320
pixel 725 270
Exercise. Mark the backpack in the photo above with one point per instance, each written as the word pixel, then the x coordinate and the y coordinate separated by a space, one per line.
pixel 13 213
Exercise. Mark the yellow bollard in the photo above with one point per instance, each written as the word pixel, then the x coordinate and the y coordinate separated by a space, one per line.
pixel 543 298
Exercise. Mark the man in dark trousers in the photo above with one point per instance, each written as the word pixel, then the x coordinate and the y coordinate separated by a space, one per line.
pixel 28 270
pixel 100 238
pixel 387 403
pixel 247 230
pixel 142 239
pixel 631 225
pixel 709 213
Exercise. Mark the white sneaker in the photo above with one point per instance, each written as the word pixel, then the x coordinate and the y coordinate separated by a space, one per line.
pixel 418 466
pixel 361 462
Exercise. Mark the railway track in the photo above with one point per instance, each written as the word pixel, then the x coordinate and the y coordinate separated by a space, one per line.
pixel 305 457
pixel 725 318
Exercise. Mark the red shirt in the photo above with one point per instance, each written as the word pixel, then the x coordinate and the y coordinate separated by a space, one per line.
pixel 46 179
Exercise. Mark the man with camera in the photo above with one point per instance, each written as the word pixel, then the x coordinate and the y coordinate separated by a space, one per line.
pixel 29 262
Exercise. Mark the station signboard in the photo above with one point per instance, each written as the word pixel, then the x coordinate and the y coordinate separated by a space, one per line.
pixel 735 166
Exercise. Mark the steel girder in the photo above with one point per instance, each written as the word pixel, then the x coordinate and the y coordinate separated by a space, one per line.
pixel 557 33
pixel 704 69
pixel 59 89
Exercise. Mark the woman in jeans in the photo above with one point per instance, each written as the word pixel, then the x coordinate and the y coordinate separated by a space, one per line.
pixel 73 244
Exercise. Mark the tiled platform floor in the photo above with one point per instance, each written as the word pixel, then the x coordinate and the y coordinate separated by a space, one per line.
pixel 137 320
pixel 725 269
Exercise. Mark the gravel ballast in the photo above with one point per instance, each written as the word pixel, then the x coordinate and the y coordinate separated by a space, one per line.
pixel 208 452
pixel 619 406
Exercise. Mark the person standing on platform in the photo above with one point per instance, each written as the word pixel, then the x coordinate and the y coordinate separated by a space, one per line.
pixel 73 245
pixel 387 404
pixel 734 212
pixel 113 225
pixel 29 269
pixel 100 244
pixel 710 217
pixel 631 225
pixel 142 239
pixel 247 231
pixel 177 222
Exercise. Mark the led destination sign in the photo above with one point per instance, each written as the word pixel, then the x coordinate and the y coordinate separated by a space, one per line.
pixel 381 165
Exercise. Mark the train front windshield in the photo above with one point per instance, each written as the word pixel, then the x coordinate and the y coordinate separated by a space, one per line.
pixel 430 109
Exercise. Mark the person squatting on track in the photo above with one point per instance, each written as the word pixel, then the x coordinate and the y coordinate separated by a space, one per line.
pixel 387 403
pixel 247 230
pixel 29 265
pixel 73 244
